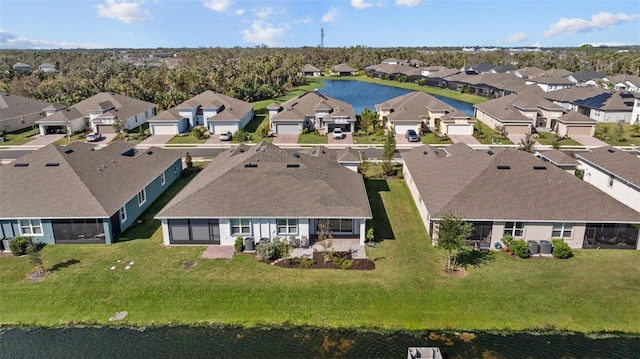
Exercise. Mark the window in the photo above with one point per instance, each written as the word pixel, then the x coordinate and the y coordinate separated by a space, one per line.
pixel 287 226
pixel 515 229
pixel 142 197
pixel 339 225
pixel 240 226
pixel 146 114
pixel 30 227
pixel 611 178
pixel 562 230
pixel 123 214
pixel 162 178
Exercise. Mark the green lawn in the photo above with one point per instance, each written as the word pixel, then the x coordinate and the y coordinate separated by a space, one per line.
pixel 20 137
pixel 187 139
pixel 607 133
pixel 78 137
pixel 547 138
pixel 489 134
pixel 313 138
pixel 432 139
pixel 373 138
pixel 597 290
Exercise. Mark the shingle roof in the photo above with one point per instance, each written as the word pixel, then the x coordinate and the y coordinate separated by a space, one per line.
pixel 551 80
pixel 313 187
pixel 558 158
pixel 617 162
pixel 609 101
pixel 68 114
pixel 305 105
pixel 309 68
pixel 234 109
pixel 84 183
pixel 471 185
pixel 12 106
pixel 117 105
pixel 506 108
pixel 416 102
pixel 530 72
pixel 575 117
pixel 588 75
pixel 170 115
pixel 557 73
pixel 573 94
pixel 343 68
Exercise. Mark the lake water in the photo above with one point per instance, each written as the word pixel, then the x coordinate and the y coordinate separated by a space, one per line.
pixel 217 342
pixel 363 95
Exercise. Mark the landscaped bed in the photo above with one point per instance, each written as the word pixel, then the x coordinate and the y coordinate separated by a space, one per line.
pixel 318 262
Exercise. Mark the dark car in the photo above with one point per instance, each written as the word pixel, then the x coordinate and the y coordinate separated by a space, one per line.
pixel 412 136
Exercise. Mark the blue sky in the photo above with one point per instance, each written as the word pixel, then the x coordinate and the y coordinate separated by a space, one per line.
pixel 289 23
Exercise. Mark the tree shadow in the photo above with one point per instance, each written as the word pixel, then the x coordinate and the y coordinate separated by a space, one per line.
pixel 475 258
pixel 382 226
pixel 63 265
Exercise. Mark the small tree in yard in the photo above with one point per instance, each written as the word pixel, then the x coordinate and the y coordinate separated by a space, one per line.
pixel 118 125
pixel 452 234
pixel 188 161
pixel 326 241
pixel 370 235
pixel 620 131
pixel 387 156
pixel 527 144
pixel 34 258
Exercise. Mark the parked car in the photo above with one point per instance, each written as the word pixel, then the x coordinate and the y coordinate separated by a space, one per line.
pixel 93 137
pixel 337 134
pixel 412 136
pixel 226 136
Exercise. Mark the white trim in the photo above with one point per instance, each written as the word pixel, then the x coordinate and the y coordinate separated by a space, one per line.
pixel 241 226
pixel 512 230
pixel 142 197
pixel 288 225
pixel 31 227
pixel 562 228
pixel 163 178
pixel 122 213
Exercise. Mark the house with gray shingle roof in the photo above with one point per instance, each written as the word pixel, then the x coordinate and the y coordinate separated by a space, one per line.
pixel 587 78
pixel 616 106
pixel 614 172
pixel 100 111
pixel 309 70
pixel 283 193
pixel 498 190
pixel 573 124
pixel 343 70
pixel 629 83
pixel 18 112
pixel 215 111
pixel 81 194
pixel 311 110
pixel 21 67
pixel 550 83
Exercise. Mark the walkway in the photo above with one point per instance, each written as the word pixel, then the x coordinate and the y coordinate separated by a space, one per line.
pixel 468 139
pixel 218 251
pixel 589 141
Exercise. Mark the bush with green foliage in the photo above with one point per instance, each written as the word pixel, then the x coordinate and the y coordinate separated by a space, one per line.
pixel 305 131
pixel 263 130
pixel 343 262
pixel 199 132
pixel 507 239
pixel 274 250
pixel 304 262
pixel 241 135
pixel 519 248
pixel 239 244
pixel 561 249
pixel 20 245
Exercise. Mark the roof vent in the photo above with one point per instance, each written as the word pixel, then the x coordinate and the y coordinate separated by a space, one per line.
pixel 313 152
pixel 296 155
pixel 504 167
pixel 250 165
pixel 241 150
pixel 539 167
pixel 293 165
pixel 425 152
pixel 52 164
pixel 68 150
pixel 611 150
pixel 21 164
pixel 490 153
pixel 436 152
pixel 149 152
pixel 323 152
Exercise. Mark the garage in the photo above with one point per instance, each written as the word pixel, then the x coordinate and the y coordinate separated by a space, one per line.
pixel 288 128
pixel 106 129
pixel 579 130
pixel 344 128
pixel 401 129
pixel 220 128
pixel 163 129
pixel 459 130
pixel 516 129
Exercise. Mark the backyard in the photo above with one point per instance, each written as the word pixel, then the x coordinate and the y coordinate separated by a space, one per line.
pixel 595 291
pixel 607 132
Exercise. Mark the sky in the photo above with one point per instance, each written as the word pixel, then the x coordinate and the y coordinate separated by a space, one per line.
pixel 51 24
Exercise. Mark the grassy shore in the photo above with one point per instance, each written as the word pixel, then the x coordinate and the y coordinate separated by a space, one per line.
pixel 595 291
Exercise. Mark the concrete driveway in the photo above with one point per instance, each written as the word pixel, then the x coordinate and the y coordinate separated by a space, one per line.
pixel 285 138
pixel 44 140
pixel 516 138
pixel 347 140
pixel 156 140
pixel 468 139
pixel 589 141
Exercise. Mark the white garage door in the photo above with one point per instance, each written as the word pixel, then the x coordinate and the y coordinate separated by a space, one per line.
pixel 287 128
pixel 222 128
pixel 459 130
pixel 579 131
pixel 164 129
pixel 401 129
pixel 106 129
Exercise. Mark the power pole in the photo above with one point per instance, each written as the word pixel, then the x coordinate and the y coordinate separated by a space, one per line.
pixel 322 37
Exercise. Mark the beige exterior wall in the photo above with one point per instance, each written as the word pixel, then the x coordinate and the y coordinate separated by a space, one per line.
pixel 575 130
pixel 425 217
pixel 517 129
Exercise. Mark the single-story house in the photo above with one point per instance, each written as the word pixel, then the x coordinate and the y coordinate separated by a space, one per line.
pixel 47 67
pixel 21 67
pixel 81 194
pixel 215 111
pixel 574 123
pixel 616 106
pixel 101 110
pixel 506 191
pixel 613 171
pixel 418 110
pixel 309 70
pixel 264 191
pixel 18 112
pixel 558 158
pixel 626 82
pixel 343 70
pixel 587 78
pixel 550 83
pixel 311 110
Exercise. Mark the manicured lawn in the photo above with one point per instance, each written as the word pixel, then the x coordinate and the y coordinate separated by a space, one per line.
pixel 313 138
pixel 369 139
pixel 188 139
pixel 547 138
pixel 312 84
pixel 607 133
pixel 489 134
pixel 78 137
pixel 254 124
pixel 432 139
pixel 597 290
pixel 20 137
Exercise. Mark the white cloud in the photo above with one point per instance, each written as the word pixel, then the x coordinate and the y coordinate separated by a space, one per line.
pixel 10 40
pixel 239 11
pixel 408 3
pixel 306 20
pixel 263 12
pixel 361 4
pixel 331 15
pixel 124 11
pixel 262 32
pixel 218 5
pixel 516 38
pixel 600 20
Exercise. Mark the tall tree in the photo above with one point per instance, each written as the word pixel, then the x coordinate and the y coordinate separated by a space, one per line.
pixel 387 156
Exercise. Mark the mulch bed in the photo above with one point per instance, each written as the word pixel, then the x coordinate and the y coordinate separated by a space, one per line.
pixel 318 262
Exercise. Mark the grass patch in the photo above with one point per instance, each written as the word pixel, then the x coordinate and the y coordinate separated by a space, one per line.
pixel 185 140
pixel 594 291
pixel 374 138
pixel 313 138
pixel 20 137
pixel 78 137
pixel 547 138
pixel 311 85
pixel 432 139
pixel 489 135
pixel 607 132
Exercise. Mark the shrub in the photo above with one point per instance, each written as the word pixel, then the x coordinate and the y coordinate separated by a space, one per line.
pixel 561 249
pixel 305 130
pixel 239 244
pixel 20 245
pixel 399 173
pixel 240 135
pixel 343 262
pixel 263 130
pixel 507 239
pixel 268 251
pixel 519 248
pixel 304 262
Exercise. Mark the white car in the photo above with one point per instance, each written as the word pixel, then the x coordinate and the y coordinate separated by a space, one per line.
pixel 226 136
pixel 93 137
pixel 337 134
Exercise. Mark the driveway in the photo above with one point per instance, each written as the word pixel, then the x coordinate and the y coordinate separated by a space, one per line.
pixel 589 141
pixel 347 140
pixel 468 139
pixel 44 140
pixel 156 140
pixel 285 138
pixel 516 138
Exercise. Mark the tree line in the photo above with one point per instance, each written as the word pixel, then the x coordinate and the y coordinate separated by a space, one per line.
pixel 251 74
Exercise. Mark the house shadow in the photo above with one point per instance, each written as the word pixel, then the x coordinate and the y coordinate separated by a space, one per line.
pixel 476 258
pixel 382 226
pixel 63 265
